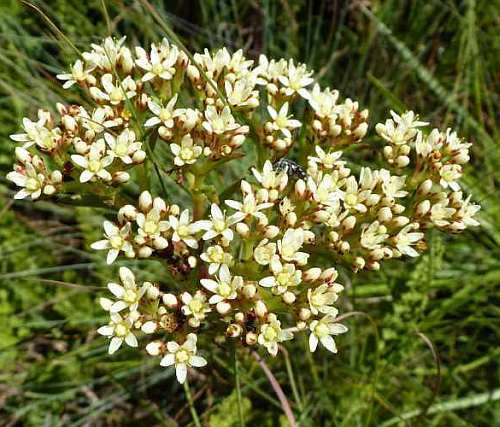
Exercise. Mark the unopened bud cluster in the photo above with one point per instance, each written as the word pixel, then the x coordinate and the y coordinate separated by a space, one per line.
pixel 255 263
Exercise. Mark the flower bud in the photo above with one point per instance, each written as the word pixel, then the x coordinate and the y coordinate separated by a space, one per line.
pixel 384 214
pixel 145 201
pixel 223 307
pixel 127 212
pixel 139 156
pixel 304 314
pixel 289 297
pixel 152 291
pixel 23 155
pixel 80 146
pixel 425 187
pixel 312 274
pixel 260 308
pixel 154 348
pixel 423 207
pixel 249 291
pixel 291 218
pixel 301 325
pixel 145 252
pixel 400 221
pixel 120 177
pixel 149 327
pixel 349 222
pixel 359 263
pixel 170 300
pixel 329 275
pixel 271 231
pixel 194 323
pixel 234 330
pixel 49 190
pixel 242 229
pixel 402 161
pixel 192 261
pixel 239 317
pixel 251 338
pixel 300 187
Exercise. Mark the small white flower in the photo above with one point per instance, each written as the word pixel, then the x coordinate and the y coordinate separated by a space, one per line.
pixel 373 235
pixel 270 178
pixel 284 276
pixel 151 227
pixel 129 294
pixel 215 256
pixel 163 115
pixel 290 244
pixel 29 179
pixel 118 330
pixel 400 129
pixel 249 207
pixel 281 120
pixel 161 61
pixel 124 146
pixel 271 334
pixel 322 298
pixel 405 239
pixel 264 252
pixel 182 357
pixel 296 79
pixel 117 239
pixel 183 229
pixel 218 225
pixel 449 176
pixel 327 159
pixel 224 288
pixel 94 163
pixel 114 93
pixel 322 331
pixel 195 305
pixel 187 153
pixel 78 74
pixel 219 123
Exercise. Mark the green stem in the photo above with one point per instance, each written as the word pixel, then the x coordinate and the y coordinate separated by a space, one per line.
pixel 238 389
pixel 191 404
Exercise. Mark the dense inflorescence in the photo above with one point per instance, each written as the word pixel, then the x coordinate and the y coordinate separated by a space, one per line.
pixel 257 264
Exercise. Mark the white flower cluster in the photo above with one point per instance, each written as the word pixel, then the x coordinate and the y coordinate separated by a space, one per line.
pixel 259 265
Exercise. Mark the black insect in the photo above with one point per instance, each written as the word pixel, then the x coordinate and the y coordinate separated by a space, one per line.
pixel 292 169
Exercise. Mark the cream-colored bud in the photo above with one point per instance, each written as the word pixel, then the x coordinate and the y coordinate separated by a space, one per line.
pixel 139 156
pixel 234 330
pixel 317 126
pixel 69 123
pixel 194 323
pixel 127 212
pixel 374 266
pixel 159 204
pixel 359 263
pixel 160 243
pixel 349 222
pixel 372 199
pixel 144 252
pixel 262 195
pixel 154 348
pixel 425 187
pixel 149 327
pixel 301 325
pixel 344 247
pixel 398 209
pixel 242 229
pixel 49 190
pixel 56 177
pixel 423 207
pixel 193 73
pixel 271 231
pixel 304 314
pixel 223 307
pixel 300 187
pixel 289 297
pixel 120 177
pixel 377 254
pixel 312 274
pixel 145 201
pixel 402 161
pixel 251 338
pixel 361 130
pixel 170 300
pixel 272 88
pixel 260 308
pixel 80 146
pixel 400 221
pixel 165 133
pixel 237 140
pixel 291 218
pixel 174 210
pixel 249 291
pixel 384 214
pixel 280 144
pixel 239 317
pixel 388 151
pixel 333 236
pixel 329 275
pixel 23 155
pixel 152 291
pixel 192 261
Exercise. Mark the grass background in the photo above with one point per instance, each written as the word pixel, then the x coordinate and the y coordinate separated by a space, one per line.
pixel 425 349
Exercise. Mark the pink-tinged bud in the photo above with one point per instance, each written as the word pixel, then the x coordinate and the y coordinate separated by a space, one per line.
pixel 155 348
pixel 377 254
pixel 251 338
pixel 159 204
pixel 170 300
pixel 423 207
pixel 260 309
pixel 304 314
pixel 312 274
pixel 120 177
pixel 425 187
pixel 234 330
pixel 400 221
pixel 145 201
pixel 289 297
pixel 23 155
pixel 373 266
pixel 139 156
pixel 271 231
pixel 349 222
pixel 329 275
pixel 384 214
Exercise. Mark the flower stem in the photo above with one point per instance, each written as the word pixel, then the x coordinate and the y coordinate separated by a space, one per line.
pixel 238 388
pixel 191 404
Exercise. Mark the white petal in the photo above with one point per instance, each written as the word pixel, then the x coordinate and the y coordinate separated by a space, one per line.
pixel 313 342
pixel 115 344
pixel 118 306
pixel 86 176
pixel 112 255
pixel 197 361
pixel 181 372
pixel 117 290
pixel 131 340
pixel 100 245
pixel 168 360
pixel 127 277
pixel 329 343
pixel 107 331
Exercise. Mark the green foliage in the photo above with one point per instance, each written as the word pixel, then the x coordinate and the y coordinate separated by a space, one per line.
pixel 437 57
